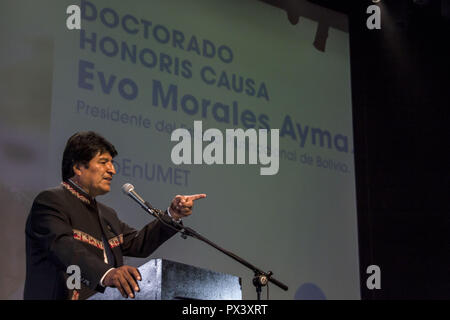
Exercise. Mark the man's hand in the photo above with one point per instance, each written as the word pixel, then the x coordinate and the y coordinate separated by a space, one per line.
pixel 124 279
pixel 181 206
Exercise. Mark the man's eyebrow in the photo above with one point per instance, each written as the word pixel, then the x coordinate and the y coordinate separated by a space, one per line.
pixel 104 158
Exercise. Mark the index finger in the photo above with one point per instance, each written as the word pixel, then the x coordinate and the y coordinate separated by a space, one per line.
pixel 196 196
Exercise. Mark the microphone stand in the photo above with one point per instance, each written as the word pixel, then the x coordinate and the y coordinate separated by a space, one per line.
pixel 260 278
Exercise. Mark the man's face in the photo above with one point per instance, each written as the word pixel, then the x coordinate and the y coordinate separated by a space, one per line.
pixel 96 178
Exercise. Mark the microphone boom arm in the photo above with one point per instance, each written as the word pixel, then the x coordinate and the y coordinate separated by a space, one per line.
pixel 260 279
pixel 258 272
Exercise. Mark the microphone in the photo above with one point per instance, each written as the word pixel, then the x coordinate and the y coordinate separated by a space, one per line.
pixel 128 189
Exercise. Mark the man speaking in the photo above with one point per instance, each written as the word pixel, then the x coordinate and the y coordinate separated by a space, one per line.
pixel 67 226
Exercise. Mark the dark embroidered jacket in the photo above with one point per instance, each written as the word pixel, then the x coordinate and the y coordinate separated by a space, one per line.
pixel 65 227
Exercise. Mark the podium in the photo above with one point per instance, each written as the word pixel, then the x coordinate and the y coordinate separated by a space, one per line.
pixel 169 280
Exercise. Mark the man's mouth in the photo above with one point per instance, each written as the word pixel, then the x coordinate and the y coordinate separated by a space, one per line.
pixel 108 178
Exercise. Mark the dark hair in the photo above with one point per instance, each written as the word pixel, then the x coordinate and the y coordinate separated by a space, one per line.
pixel 81 148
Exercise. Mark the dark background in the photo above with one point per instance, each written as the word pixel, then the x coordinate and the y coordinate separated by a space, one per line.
pixel 401 91
pixel 400 83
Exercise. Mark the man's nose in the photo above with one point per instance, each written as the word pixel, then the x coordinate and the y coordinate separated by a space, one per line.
pixel 111 169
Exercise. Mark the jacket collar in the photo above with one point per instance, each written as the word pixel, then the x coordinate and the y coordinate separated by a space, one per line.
pixel 78 192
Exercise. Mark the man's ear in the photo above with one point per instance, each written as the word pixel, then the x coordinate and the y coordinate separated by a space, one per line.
pixel 77 169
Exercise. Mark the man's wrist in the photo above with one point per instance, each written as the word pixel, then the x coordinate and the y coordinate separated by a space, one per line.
pixel 104 276
pixel 171 216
